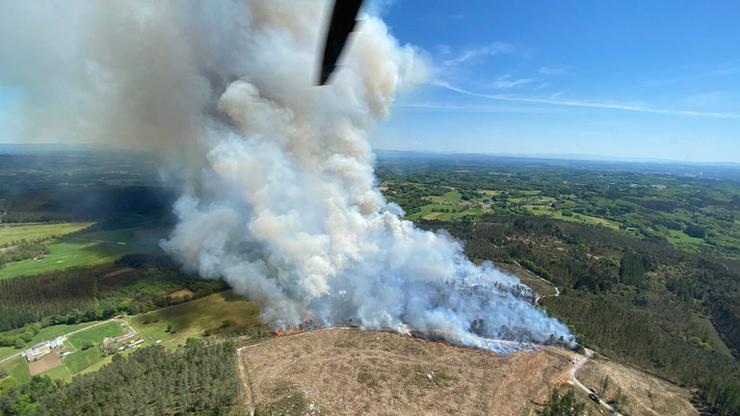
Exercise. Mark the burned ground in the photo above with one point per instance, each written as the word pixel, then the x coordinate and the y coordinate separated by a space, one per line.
pixel 346 371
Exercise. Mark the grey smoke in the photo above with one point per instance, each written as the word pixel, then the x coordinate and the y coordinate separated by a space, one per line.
pixel 279 193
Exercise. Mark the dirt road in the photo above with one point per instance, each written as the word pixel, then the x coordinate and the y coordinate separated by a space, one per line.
pixel 580 361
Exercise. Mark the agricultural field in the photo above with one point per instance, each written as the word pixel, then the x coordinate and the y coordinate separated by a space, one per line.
pixel 694 213
pixel 87 249
pixel 35 336
pixel 86 348
pixel 11 233
pixel 93 332
pixel 222 312
pixel 16 370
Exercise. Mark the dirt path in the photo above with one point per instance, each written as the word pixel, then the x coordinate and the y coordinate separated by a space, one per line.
pixel 580 361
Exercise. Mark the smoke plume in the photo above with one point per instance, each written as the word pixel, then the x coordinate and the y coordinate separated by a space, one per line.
pixel 279 193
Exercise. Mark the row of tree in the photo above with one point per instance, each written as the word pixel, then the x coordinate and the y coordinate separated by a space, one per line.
pixel 87 294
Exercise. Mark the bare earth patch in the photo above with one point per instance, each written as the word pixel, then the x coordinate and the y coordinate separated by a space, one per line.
pixel 119 272
pixel 344 371
pixel 645 395
pixel 181 294
pixel 47 362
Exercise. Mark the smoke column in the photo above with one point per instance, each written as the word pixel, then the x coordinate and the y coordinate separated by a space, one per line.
pixel 279 193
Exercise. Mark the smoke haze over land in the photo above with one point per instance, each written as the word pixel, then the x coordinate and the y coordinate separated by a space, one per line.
pixel 279 193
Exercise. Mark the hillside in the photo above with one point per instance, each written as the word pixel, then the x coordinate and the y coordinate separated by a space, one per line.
pixel 347 371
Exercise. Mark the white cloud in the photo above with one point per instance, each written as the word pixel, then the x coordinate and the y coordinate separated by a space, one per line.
pixel 506 82
pixel 586 104
pixel 473 54
pixel 550 70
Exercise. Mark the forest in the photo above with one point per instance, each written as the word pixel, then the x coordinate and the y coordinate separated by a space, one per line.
pixel 628 289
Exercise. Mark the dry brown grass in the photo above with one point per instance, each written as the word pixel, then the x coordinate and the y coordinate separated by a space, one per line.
pixel 45 363
pixel 119 272
pixel 645 395
pixel 349 372
pixel 181 294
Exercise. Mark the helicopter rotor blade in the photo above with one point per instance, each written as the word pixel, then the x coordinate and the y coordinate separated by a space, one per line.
pixel 343 21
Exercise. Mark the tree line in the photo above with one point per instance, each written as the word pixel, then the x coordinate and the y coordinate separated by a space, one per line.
pixel 88 294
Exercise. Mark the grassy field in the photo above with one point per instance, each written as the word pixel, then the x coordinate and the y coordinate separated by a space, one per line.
pixel 87 249
pixel 191 319
pixel 541 210
pixel 44 334
pixel 96 335
pixel 59 373
pixel 684 241
pixel 710 334
pixel 7 352
pixel 40 231
pixel 80 360
pixel 17 369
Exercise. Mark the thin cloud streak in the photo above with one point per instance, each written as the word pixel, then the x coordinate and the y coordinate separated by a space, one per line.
pixel 434 107
pixel 491 49
pixel 583 104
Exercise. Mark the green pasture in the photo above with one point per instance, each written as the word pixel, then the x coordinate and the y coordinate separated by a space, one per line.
pixel 191 319
pixel 40 231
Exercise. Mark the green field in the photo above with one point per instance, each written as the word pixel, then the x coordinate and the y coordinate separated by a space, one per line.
pixel 41 231
pixel 96 335
pixel 83 360
pixel 7 352
pixel 684 241
pixel 44 334
pixel 59 373
pixel 87 249
pixel 17 369
pixel 542 210
pixel 80 360
pixel 191 319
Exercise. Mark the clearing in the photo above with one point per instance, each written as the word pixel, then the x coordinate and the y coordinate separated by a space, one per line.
pixel 347 371
pixel 641 394
pixel 45 363
pixel 221 311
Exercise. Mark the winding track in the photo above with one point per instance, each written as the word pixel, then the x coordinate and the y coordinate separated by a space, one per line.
pixel 581 360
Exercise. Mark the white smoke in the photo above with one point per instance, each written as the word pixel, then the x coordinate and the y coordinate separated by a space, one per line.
pixel 280 195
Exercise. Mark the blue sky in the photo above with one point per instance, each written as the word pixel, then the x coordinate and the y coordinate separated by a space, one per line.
pixel 657 79
pixel 626 79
